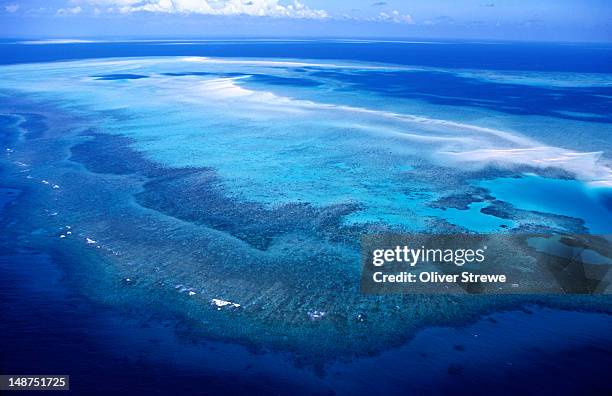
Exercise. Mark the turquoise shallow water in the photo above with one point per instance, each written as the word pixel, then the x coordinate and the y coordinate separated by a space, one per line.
pixel 564 197
pixel 473 219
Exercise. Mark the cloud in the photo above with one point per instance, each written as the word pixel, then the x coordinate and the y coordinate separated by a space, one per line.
pixel 379 4
pixel 395 16
pixel 69 11
pixel 269 8
pixel 11 8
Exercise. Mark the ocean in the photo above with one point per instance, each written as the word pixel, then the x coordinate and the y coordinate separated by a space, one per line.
pixel 185 215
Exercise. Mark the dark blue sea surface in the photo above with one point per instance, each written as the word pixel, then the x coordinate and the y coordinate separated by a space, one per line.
pixel 55 330
pixel 185 218
pixel 570 57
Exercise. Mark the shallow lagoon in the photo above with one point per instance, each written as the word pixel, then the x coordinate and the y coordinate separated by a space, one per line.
pixel 563 197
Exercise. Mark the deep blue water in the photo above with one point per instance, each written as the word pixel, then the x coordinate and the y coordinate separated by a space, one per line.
pixel 55 330
pixel 569 57
pixel 126 185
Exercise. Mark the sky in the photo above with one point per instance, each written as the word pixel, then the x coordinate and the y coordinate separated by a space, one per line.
pixel 542 20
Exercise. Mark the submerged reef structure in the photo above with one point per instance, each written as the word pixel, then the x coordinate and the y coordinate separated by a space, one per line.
pixel 234 198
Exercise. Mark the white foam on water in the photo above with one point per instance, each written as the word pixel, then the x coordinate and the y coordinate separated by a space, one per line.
pixel 225 88
pixel 458 144
pixel 586 166
pixel 219 303
pixel 316 315
pixel 270 63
